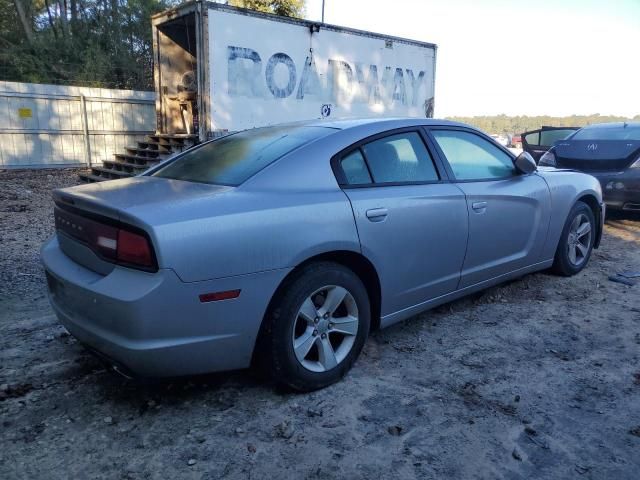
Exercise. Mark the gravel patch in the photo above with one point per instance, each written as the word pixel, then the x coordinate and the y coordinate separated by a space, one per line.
pixel 26 221
pixel 539 378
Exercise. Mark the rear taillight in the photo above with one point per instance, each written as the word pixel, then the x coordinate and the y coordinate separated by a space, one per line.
pixel 134 249
pixel 102 239
pixel 111 241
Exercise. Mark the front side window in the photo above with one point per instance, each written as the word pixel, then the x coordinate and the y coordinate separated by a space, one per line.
pixel 233 159
pixel 472 157
pixel 400 158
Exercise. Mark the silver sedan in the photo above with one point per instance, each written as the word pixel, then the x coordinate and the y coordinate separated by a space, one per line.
pixel 284 246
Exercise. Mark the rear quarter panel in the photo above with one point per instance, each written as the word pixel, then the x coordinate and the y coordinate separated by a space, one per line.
pixel 253 231
pixel 566 187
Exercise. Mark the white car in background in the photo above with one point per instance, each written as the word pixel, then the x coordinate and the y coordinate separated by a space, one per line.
pixel 501 139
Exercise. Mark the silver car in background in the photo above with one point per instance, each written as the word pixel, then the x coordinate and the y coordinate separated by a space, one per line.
pixel 285 246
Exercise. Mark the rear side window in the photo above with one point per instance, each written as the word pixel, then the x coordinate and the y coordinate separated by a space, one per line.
pixel 355 169
pixel 233 159
pixel 533 138
pixel 472 157
pixel 400 158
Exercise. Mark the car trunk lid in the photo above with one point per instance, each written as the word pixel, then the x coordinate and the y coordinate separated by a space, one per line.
pixel 133 204
pixel 596 155
pixel 116 197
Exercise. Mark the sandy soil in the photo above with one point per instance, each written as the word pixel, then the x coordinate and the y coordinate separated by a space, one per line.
pixel 539 378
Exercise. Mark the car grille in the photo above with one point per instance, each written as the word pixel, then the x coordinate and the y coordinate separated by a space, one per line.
pixel 591 165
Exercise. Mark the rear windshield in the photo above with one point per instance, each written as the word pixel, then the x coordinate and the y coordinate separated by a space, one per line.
pixel 233 159
pixel 630 132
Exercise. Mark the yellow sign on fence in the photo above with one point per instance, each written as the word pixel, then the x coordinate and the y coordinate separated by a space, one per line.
pixel 25 113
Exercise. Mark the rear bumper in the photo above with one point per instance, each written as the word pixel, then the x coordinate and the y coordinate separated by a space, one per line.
pixel 621 190
pixel 153 324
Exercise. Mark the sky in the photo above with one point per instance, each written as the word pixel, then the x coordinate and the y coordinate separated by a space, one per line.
pixel 517 57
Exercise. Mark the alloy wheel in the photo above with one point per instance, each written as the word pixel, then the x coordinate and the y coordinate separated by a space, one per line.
pixel 579 240
pixel 325 328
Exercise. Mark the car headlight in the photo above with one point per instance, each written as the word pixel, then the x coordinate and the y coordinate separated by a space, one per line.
pixel 636 164
pixel 548 159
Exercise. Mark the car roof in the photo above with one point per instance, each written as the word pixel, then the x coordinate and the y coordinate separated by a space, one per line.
pixel 613 125
pixel 394 122
pixel 347 132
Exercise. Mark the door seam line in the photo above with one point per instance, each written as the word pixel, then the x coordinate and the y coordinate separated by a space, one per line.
pixel 355 222
pixel 466 249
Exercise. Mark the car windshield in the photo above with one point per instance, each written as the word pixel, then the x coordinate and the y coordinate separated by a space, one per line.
pixel 233 159
pixel 618 132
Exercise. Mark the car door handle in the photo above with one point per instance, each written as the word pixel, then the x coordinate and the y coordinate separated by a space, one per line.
pixel 377 214
pixel 479 206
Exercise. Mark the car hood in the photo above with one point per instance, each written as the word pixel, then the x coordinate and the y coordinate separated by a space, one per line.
pixel 149 199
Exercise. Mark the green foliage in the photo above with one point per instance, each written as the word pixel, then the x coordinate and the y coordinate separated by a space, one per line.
pixel 285 8
pixel 519 124
pixel 99 43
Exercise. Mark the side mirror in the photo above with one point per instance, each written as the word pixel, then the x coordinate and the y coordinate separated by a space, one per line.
pixel 525 163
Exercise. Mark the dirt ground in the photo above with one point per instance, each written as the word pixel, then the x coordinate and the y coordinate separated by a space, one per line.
pixel 539 378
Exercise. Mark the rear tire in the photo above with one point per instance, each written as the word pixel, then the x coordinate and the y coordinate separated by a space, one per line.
pixel 315 328
pixel 576 242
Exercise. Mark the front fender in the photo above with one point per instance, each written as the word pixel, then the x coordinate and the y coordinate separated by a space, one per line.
pixel 566 188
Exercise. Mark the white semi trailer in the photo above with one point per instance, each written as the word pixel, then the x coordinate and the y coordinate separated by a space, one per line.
pixel 219 69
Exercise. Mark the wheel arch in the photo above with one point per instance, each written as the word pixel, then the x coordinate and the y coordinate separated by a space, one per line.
pixel 356 262
pixel 592 202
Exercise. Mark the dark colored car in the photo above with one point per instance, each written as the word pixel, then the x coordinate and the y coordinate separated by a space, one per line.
pixel 608 151
pixel 537 142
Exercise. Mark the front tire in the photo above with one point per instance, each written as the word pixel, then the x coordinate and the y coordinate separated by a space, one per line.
pixel 315 327
pixel 576 242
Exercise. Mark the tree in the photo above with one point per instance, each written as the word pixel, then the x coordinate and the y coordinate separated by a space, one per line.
pixel 101 43
pixel 285 8
pixel 22 16
pixel 515 125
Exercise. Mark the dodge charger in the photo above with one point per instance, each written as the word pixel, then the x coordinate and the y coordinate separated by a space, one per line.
pixel 282 247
